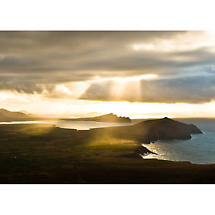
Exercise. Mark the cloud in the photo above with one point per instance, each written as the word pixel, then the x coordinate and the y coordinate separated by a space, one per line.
pixel 36 61
pixel 196 89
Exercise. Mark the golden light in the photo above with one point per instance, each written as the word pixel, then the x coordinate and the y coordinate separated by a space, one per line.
pixel 182 42
pixel 121 85
pixel 126 79
pixel 158 110
pixel 63 89
pixel 138 78
pixel 71 90
pixel 145 46
pixel 84 108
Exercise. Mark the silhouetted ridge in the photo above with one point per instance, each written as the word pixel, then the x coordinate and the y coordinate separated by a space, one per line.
pixel 112 117
pixel 160 129
pixel 156 129
pixel 105 118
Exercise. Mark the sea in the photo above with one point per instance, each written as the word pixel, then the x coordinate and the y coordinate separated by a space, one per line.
pixel 200 149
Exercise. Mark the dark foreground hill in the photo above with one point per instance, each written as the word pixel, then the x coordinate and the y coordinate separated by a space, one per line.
pixel 41 153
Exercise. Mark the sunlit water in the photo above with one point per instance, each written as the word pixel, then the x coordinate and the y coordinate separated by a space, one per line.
pixel 25 122
pixel 199 149
pixel 69 124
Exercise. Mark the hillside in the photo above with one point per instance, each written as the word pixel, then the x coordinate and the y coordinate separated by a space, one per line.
pixel 111 118
pixel 152 130
pixel 105 118
pixel 43 153
pixel 6 116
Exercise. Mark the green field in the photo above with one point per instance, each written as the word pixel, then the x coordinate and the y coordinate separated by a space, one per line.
pixel 42 153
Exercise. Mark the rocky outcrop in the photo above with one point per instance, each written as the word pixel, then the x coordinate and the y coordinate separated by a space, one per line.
pixel 164 129
pixel 152 130
pixel 138 153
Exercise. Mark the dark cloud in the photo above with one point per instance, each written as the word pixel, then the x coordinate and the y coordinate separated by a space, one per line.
pixel 197 89
pixel 39 52
pixel 33 61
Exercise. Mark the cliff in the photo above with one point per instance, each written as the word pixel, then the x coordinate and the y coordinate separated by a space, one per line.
pixel 165 129
pixel 153 130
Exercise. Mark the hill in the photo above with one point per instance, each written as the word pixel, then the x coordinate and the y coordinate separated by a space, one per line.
pixel 111 118
pixel 105 118
pixel 6 116
pixel 45 154
pixel 153 130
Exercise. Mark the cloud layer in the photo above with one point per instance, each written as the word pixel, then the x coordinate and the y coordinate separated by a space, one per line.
pixel 197 89
pixel 184 62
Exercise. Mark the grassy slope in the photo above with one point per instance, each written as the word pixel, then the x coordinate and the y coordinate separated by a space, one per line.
pixel 45 154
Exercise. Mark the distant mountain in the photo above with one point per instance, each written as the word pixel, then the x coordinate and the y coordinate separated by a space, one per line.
pixel 111 118
pixel 105 118
pixel 6 116
pixel 153 130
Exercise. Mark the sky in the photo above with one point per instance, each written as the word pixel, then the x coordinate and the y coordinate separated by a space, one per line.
pixel 137 74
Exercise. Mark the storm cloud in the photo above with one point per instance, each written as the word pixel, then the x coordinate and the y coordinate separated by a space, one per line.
pixel 184 61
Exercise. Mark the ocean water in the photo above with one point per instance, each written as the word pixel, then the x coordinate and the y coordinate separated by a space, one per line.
pixel 200 149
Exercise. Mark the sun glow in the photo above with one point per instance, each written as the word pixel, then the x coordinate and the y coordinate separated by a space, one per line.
pixel 69 105
pixel 124 87
pixel 191 41
pixel 158 110
pixel 127 79
pixel 84 108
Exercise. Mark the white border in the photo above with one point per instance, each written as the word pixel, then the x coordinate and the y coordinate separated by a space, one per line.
pixel 106 200
pixel 106 15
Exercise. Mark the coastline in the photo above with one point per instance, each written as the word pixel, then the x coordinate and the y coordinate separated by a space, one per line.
pixel 47 154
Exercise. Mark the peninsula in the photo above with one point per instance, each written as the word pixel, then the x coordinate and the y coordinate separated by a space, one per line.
pixel 105 118
pixel 152 130
pixel 44 153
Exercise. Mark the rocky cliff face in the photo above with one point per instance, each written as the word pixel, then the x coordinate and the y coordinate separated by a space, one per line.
pixel 165 128
pixel 152 130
